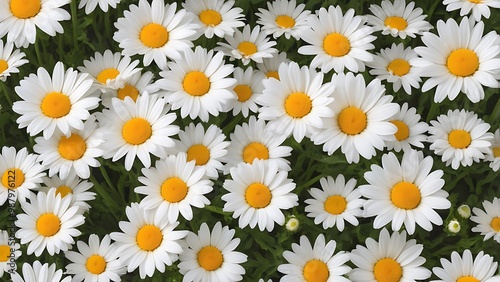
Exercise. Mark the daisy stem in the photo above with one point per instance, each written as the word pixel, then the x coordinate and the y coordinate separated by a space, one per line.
pixel 106 178
pixel 308 183
pixel 37 51
pixel 7 96
pixel 230 127
pixel 217 210
pixel 74 22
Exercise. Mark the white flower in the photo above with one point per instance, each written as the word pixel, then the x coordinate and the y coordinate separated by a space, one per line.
pixel 465 268
pixel 411 131
pixel 488 221
pixel 9 253
pixel 478 8
pixel 90 5
pixel 284 17
pixel 38 272
pixel 248 88
pixel 10 61
pixel 493 155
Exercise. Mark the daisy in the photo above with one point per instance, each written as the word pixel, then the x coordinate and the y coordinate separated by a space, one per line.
pixel 247 45
pixel 39 272
pixel 48 222
pixel 248 87
pixel 60 101
pixel 257 194
pixel 206 148
pixel 97 261
pixel 284 17
pixel 173 186
pixel 296 103
pixel 488 221
pixel 147 241
pixel 211 256
pixel 494 154
pixel 137 129
pixel 77 153
pixel 404 193
pixel 9 253
pixel 411 131
pixel 270 66
pixel 466 268
pixel 478 8
pixel 19 19
pixel 460 138
pixel 20 172
pixel 315 263
pixel 217 17
pixel 135 85
pixel 254 140
pixel 198 84
pixel 392 258
pixel 10 61
pixel 338 44
pixel 90 5
pixel 398 19
pixel 157 30
pixel 335 202
pixel 361 118
pixel 394 65
pixel 459 59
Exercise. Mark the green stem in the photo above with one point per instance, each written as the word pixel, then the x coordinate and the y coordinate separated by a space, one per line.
pixel 38 54
pixel 109 201
pixel 74 22
pixel 218 210
pixel 301 187
pixel 6 92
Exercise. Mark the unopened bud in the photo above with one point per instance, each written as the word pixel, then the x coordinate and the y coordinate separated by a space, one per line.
pixel 464 211
pixel 454 226
pixel 292 224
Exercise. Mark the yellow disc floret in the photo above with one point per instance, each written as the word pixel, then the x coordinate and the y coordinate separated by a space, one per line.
pixel 258 195
pixel 55 105
pixel 154 35
pixel 405 195
pixel 336 45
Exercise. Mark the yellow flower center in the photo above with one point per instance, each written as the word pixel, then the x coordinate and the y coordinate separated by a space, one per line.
pixel 210 258
pixel 154 35
pixel 48 224
pixel 459 139
pixel 12 178
pixel 3 65
pixel 25 9
pixel 335 204
pixel 96 264
pixel 196 83
pixel 255 150
pixel 495 224
pixel 210 17
pixel 258 195
pixel 403 130
pixel 4 253
pixel 476 1
pixel 55 105
pixel 298 105
pixel 316 271
pixel 136 131
pixel 72 148
pixel 247 48
pixel 63 190
pixel 336 45
pixel 244 92
pixel 496 152
pixel 128 91
pixel 467 278
pixel 405 195
pixel 462 62
pixel 200 153
pixel 285 21
pixel 174 190
pixel 399 67
pixel 149 237
pixel 106 74
pixel 396 22
pixel 387 270
pixel 352 120
pixel 273 74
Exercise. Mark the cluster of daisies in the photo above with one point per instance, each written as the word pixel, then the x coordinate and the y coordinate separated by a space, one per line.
pixel 167 127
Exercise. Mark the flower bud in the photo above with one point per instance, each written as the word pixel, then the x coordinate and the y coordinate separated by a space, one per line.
pixel 292 224
pixel 454 226
pixel 464 211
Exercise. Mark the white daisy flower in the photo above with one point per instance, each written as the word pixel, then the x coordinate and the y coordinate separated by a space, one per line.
pixel 156 31
pixel 48 222
pixel 77 153
pixel 254 140
pixel 257 194
pixel 19 19
pixel 97 261
pixel 10 61
pixel 211 256
pixel 90 5
pixel 270 66
pixel 198 83
pixel 404 193
pixel 460 138
pixel 147 241
pixel 361 118
pixel 459 59
pixel 392 258
pixel 488 221
pixel 315 263
pixel 335 202
pixel 338 44
pixel 217 17
pixel 248 87
pixel 9 253
pixel 20 172
pixel 284 17
pixel 478 8
pixel 493 155
pixel 465 268
pixel 206 148
pixel 39 272
pixel 398 19
pixel 394 65
pixel 137 129
pixel 247 45
pixel 138 83
pixel 411 131
pixel 296 103
pixel 59 101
